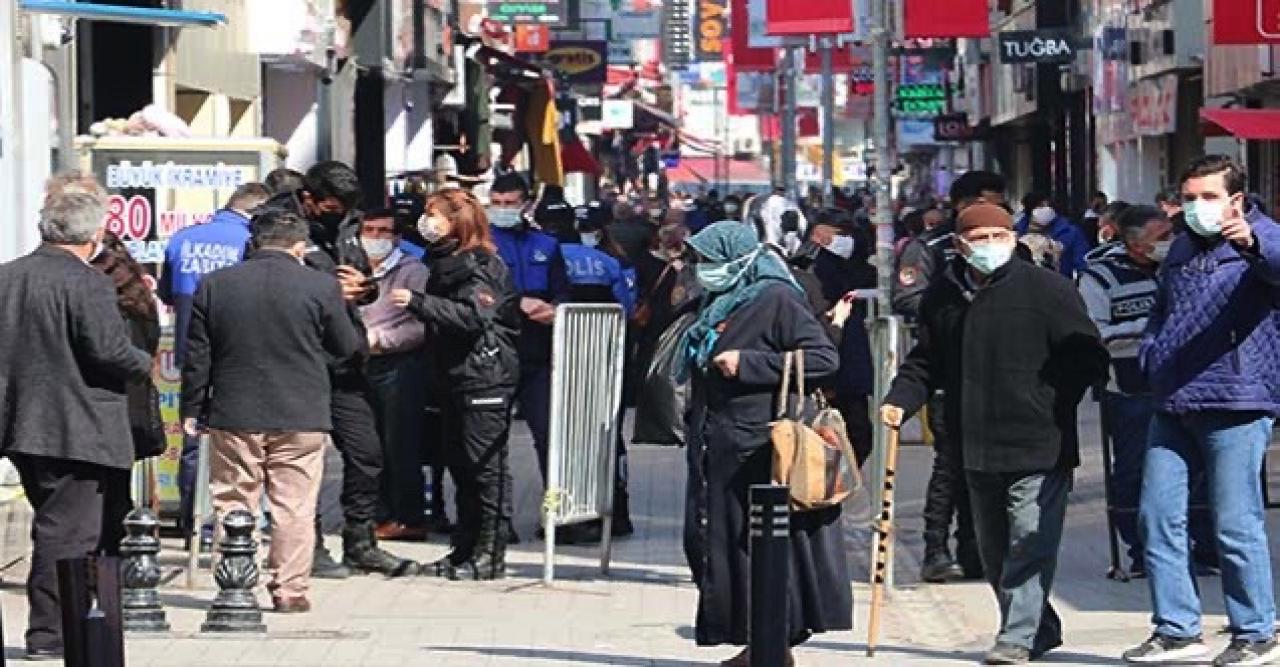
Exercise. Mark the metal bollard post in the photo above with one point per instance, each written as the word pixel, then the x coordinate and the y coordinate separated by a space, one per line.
pixel 235 609
pixel 770 574
pixel 140 573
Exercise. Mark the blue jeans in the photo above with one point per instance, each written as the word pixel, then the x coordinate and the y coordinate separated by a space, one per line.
pixel 1128 423
pixel 1230 445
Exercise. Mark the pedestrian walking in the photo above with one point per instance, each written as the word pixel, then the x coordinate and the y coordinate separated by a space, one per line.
pixel 192 253
pixel 1209 355
pixel 753 314
pixel 470 308
pixel 397 368
pixel 946 496
pixel 263 392
pixel 65 359
pixel 1054 240
pixel 1014 351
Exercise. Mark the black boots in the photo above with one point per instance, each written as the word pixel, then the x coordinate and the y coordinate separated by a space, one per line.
pixel 481 559
pixel 938 567
pixel 323 566
pixel 362 554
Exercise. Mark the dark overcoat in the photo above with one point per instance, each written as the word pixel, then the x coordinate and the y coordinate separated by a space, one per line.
pixel 729 450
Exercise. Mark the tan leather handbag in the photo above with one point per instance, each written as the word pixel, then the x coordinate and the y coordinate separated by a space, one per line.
pixel 814 460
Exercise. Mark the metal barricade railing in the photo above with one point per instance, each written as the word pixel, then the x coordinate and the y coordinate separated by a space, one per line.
pixel 586 398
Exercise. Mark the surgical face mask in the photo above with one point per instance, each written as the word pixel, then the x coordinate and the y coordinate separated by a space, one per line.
pixel 841 246
pixel 1203 217
pixel 722 277
pixel 730 209
pixel 503 217
pixel 590 239
pixel 985 258
pixel 377 248
pixel 1043 215
pixel 1159 251
pixel 430 232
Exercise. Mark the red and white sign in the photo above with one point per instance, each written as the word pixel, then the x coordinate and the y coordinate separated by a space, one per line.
pixel 1246 21
pixel 946 18
pixel 1153 106
pixel 810 17
pixel 533 38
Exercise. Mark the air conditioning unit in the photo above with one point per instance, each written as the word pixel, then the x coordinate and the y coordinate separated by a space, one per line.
pixel 747 145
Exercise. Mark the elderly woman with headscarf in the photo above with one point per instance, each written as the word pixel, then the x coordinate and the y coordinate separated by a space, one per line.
pixel 753 312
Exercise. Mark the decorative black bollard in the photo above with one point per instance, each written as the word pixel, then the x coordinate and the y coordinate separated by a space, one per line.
pixel 770 572
pixel 140 573
pixel 235 609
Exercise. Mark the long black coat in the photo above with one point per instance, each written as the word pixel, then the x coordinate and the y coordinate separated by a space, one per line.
pixel 64 359
pixel 729 450
pixel 1014 358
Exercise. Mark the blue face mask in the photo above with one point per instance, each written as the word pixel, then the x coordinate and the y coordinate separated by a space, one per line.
pixel 985 258
pixel 722 277
pixel 1203 217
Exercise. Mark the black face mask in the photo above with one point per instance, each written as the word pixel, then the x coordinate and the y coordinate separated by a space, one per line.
pixel 331 220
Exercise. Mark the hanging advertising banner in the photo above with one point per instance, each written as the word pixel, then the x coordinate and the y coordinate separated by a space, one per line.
pixel 1246 22
pixel 677 37
pixel 1047 46
pixel 754 92
pixel 532 38
pixel 809 17
pixel 956 127
pixel 545 12
pixel 580 61
pixel 745 55
pixel 1153 106
pixel 711 30
pixel 946 18
pixel 631 24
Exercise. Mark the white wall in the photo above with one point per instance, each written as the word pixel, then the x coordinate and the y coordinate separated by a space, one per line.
pixel 289 113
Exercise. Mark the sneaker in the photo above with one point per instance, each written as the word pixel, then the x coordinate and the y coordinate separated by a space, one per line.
pixel 1007 654
pixel 1161 649
pixel 1245 652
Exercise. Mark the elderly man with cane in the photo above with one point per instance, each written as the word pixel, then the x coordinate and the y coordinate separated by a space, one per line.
pixel 1014 350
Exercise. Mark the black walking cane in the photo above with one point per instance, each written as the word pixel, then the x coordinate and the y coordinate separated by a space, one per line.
pixel 883 528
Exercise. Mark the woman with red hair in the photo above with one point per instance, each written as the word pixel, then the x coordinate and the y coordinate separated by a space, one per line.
pixel 471 310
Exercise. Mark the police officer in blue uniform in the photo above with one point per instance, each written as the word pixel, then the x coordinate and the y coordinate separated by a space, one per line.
pixel 193 253
pixel 537 269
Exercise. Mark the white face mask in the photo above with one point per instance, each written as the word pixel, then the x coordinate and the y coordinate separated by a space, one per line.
pixel 989 256
pixel 1160 251
pixel 504 217
pixel 841 246
pixel 430 232
pixel 1204 217
pixel 1043 215
pixel 590 239
pixel 377 248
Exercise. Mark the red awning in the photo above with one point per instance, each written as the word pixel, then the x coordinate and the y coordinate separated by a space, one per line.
pixel 683 174
pixel 1256 124
pixel 740 171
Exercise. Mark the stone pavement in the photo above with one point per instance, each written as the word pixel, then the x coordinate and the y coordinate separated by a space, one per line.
pixel 642 614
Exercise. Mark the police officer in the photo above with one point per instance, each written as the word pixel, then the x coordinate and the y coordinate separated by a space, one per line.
pixel 192 253
pixel 537 269
pixel 946 495
pixel 328 201
pixel 1119 290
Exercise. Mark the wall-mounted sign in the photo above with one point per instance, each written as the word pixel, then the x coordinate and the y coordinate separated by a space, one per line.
pixel 1047 47
pixel 580 61
pixel 677 40
pixel 1246 21
pixel 921 100
pixel 1153 105
pixel 956 127
pixel 711 26
pixel 618 115
pixel 532 38
pixel 631 24
pixel 545 12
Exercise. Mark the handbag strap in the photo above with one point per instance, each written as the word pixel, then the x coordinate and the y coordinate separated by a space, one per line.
pixel 792 362
pixel 785 385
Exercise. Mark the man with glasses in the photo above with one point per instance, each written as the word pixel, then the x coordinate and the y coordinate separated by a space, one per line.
pixel 1014 350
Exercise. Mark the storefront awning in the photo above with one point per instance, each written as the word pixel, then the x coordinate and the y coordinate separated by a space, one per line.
pixel 1254 124
pixel 92 11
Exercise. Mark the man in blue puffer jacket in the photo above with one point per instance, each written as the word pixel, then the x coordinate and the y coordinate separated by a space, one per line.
pixel 1209 353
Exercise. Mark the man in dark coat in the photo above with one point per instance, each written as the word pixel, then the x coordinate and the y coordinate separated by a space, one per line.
pixel 65 357
pixel 1013 349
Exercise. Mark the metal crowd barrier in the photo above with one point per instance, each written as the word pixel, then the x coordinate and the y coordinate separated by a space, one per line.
pixel 587 355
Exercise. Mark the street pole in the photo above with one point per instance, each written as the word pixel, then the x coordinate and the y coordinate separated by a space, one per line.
pixel 828 120
pixel 885 332
pixel 789 80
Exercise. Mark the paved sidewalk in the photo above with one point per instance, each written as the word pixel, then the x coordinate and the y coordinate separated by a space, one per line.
pixel 641 615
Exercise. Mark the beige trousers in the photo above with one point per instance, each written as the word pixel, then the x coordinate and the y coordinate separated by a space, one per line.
pixel 290 465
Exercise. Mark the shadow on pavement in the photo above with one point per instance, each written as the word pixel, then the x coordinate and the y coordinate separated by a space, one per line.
pixel 563 656
pixel 860 650
pixel 575 572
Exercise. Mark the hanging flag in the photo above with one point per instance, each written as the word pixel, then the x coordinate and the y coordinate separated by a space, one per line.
pixel 946 18
pixel 1246 21
pixel 809 17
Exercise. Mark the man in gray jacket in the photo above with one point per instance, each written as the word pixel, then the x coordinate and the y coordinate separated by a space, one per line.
pixel 64 359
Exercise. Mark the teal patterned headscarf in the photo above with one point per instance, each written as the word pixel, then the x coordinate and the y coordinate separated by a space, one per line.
pixel 753 266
